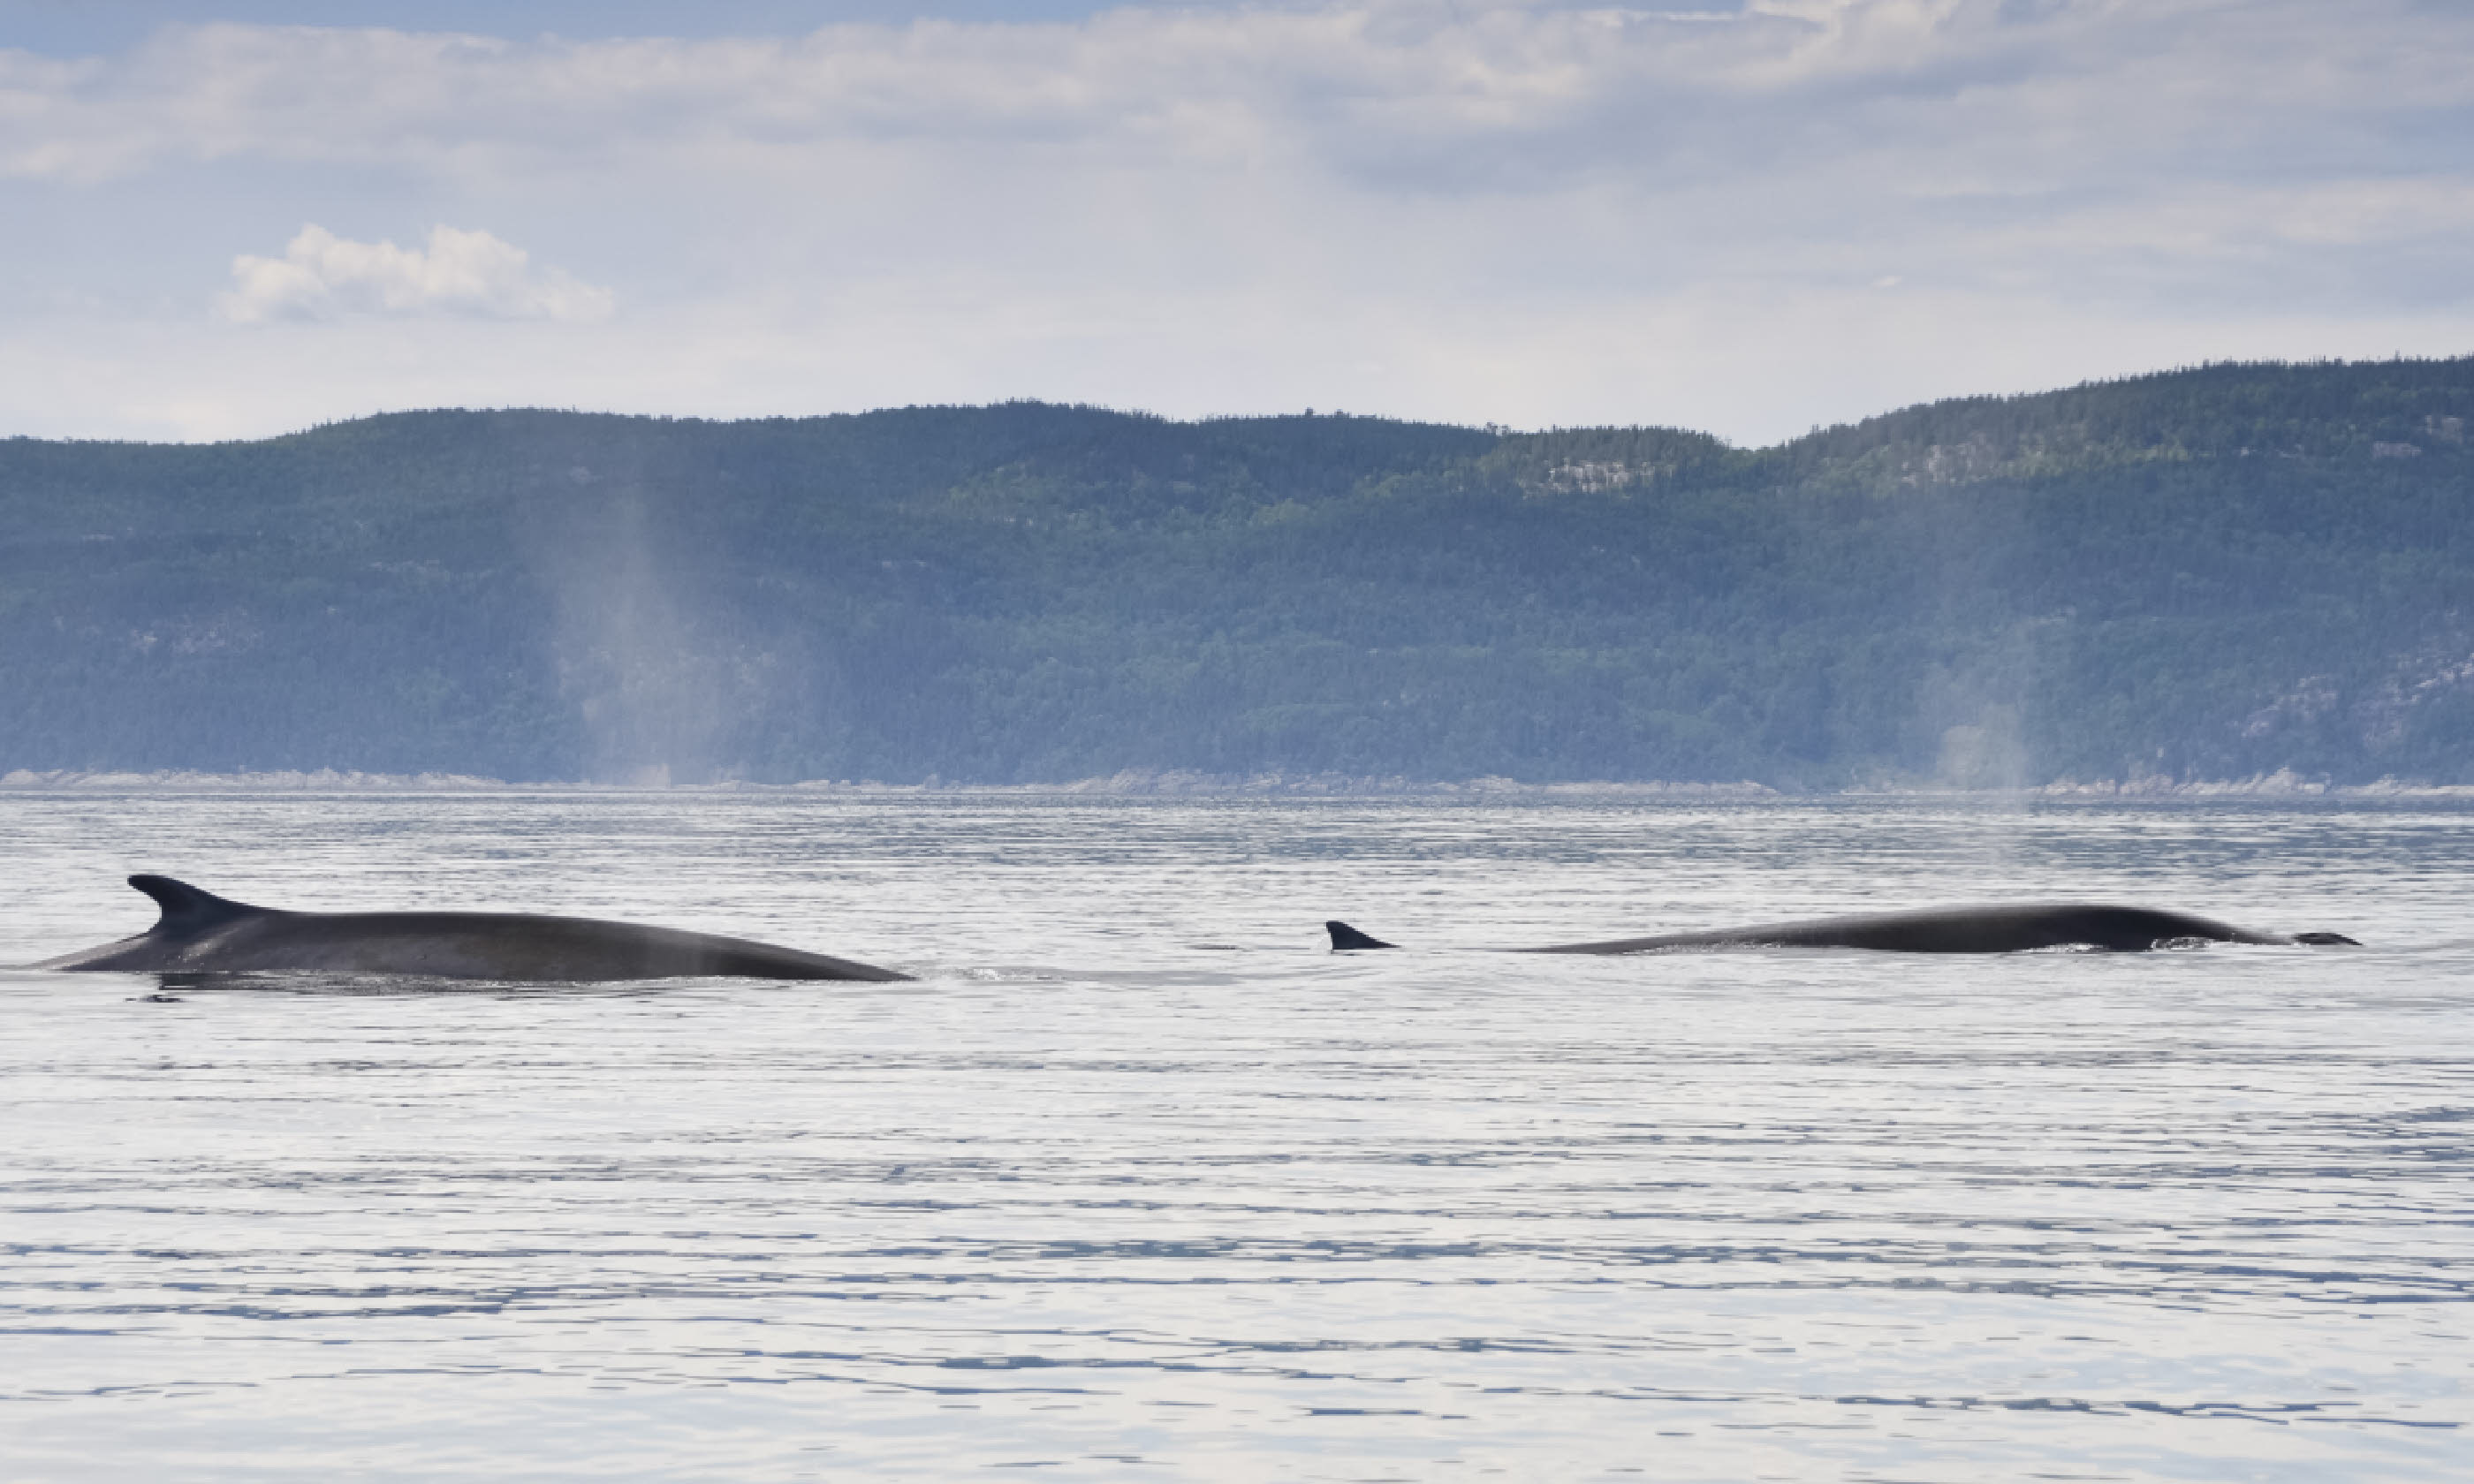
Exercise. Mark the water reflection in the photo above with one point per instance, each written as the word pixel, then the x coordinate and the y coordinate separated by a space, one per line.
pixel 173 988
pixel 1139 1183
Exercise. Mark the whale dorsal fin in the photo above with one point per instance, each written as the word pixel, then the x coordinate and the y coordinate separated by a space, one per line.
pixel 1347 939
pixel 186 910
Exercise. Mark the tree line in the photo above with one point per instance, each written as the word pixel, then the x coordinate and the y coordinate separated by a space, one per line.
pixel 2208 573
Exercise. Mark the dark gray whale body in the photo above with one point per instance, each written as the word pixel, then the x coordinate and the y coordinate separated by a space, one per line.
pixel 1997 929
pixel 202 933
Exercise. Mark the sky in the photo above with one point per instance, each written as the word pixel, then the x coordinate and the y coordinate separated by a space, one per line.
pixel 231 219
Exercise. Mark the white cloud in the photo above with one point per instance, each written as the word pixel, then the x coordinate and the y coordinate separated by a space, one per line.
pixel 1797 212
pixel 322 276
pixel 1405 91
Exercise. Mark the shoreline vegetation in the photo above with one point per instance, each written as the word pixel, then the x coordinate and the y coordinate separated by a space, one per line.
pixel 2284 785
pixel 2240 578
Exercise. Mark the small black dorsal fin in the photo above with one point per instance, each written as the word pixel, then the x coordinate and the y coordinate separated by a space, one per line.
pixel 1346 939
pixel 186 909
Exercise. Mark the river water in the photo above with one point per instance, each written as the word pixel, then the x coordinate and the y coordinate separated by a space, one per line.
pixel 1137 1181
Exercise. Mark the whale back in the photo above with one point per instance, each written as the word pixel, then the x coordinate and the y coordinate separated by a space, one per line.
pixel 2009 928
pixel 200 932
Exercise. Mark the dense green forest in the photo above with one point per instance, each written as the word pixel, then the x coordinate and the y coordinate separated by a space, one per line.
pixel 2201 574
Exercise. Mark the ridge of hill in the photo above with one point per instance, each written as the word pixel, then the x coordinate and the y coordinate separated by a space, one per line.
pixel 2219 572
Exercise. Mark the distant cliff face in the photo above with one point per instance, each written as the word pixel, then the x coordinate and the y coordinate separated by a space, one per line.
pixel 2214 573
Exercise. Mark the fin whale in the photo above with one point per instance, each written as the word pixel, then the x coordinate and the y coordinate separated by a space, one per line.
pixel 202 933
pixel 1993 929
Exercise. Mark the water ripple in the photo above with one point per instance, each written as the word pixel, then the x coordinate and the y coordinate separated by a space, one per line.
pixel 1137 1182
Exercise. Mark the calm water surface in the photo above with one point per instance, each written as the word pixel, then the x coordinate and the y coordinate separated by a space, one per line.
pixel 1138 1183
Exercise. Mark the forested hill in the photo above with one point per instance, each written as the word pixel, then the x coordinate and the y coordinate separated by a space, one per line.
pixel 2202 574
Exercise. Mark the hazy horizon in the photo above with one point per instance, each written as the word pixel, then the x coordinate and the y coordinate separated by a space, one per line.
pixel 1748 218
pixel 1199 418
